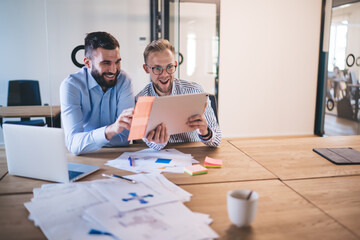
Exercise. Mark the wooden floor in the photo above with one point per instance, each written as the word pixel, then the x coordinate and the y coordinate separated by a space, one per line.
pixel 335 126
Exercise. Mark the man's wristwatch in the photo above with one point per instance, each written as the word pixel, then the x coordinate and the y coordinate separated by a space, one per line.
pixel 208 135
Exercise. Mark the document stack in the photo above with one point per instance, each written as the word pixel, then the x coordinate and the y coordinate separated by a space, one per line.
pixel 153 161
pixel 152 208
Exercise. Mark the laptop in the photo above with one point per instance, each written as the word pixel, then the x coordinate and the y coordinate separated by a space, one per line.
pixel 39 152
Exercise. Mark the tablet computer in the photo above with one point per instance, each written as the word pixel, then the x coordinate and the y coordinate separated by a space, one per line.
pixel 173 110
pixel 340 156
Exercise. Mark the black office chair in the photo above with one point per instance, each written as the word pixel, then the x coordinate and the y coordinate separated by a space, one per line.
pixel 24 93
pixel 214 105
pixel 351 91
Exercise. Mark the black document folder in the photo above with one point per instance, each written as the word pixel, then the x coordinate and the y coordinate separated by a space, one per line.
pixel 339 155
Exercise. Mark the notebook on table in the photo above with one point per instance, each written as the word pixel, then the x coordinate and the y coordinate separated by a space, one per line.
pixel 39 152
pixel 339 156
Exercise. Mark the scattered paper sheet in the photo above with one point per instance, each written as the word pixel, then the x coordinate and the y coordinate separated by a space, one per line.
pixel 127 196
pixel 73 210
pixel 59 216
pixel 152 161
pixel 151 223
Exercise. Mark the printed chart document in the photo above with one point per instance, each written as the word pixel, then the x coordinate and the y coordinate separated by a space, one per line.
pixel 173 110
pixel 153 161
pixel 114 209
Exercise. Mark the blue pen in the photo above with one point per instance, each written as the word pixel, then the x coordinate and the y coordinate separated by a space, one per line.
pixel 131 162
pixel 119 177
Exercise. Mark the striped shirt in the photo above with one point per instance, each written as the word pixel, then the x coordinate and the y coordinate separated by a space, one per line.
pixel 185 87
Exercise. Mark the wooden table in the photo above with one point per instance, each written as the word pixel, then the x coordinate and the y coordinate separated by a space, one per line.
pixel 293 158
pixel 14 222
pixel 236 167
pixel 30 111
pixel 3 165
pixel 338 197
pixel 302 195
pixel 282 213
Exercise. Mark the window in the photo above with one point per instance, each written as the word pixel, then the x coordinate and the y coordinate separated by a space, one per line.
pixel 338 40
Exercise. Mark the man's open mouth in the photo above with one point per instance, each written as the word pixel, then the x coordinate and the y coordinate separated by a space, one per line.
pixel 165 81
pixel 109 75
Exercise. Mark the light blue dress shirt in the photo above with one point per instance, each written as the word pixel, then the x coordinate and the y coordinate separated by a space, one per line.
pixel 86 111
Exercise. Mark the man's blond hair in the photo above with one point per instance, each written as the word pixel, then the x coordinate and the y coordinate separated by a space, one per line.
pixel 157 46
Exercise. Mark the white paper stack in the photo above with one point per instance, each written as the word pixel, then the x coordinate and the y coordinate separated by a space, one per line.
pixel 153 161
pixel 114 209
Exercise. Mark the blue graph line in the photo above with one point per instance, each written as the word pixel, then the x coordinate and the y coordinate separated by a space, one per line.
pixel 136 197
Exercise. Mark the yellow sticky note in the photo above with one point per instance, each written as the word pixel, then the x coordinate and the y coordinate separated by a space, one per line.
pixel 195 169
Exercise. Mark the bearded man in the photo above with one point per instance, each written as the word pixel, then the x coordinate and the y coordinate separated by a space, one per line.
pixel 97 102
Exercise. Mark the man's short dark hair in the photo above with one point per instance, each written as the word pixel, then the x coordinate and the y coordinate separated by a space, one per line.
pixel 95 40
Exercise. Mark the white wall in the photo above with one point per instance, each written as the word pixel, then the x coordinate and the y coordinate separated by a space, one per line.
pixel 27 25
pixel 69 21
pixel 23 44
pixel 38 36
pixel 268 67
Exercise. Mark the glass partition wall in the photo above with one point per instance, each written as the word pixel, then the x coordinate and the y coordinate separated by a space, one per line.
pixel 199 43
pixel 342 116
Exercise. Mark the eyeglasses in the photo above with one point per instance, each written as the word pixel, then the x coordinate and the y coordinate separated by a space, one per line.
pixel 157 70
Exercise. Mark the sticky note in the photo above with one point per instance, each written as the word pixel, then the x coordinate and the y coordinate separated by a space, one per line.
pixel 212 162
pixel 195 169
pixel 141 117
pixel 163 160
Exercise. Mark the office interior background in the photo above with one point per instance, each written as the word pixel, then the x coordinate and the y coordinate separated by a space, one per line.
pixel 261 59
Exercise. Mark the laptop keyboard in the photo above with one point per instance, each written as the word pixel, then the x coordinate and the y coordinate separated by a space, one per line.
pixel 74 174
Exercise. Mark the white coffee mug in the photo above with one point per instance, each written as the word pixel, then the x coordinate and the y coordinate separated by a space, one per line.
pixel 241 210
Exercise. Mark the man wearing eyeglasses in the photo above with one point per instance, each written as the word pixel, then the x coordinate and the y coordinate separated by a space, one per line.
pixel 159 57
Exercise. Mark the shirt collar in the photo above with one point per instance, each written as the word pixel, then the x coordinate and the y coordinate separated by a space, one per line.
pixel 173 90
pixel 91 80
pixel 154 93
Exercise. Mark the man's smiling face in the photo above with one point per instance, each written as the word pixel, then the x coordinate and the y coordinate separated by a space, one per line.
pixel 164 81
pixel 105 66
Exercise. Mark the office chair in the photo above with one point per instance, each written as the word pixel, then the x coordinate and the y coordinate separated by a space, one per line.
pixel 24 93
pixel 351 91
pixel 214 105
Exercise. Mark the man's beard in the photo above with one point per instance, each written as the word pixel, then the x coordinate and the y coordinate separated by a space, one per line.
pixel 101 80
